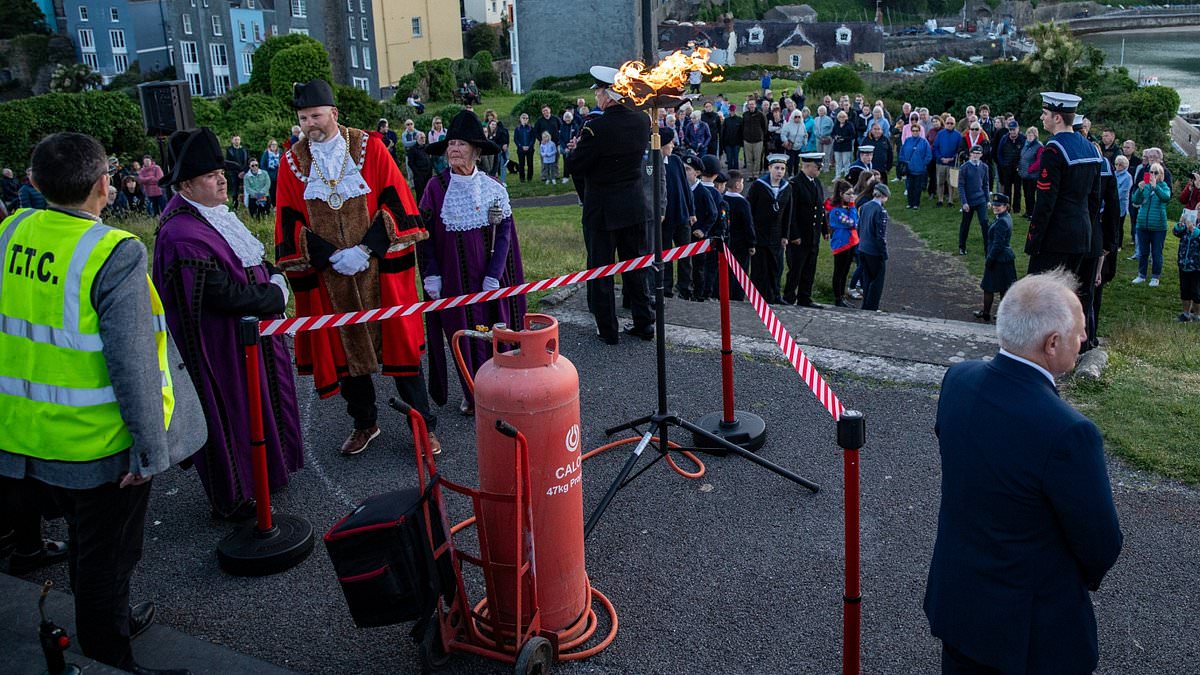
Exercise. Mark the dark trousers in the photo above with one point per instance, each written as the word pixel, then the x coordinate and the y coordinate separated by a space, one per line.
pixel 841 269
pixel 766 269
pixel 257 211
pixel 914 184
pixel 1044 262
pixel 955 662
pixel 1010 184
pixel 964 226
pixel 677 235
pixel 1029 188
pixel 700 274
pixel 1087 296
pixel 105 526
pixel 801 271
pixel 874 269
pixel 793 163
pixel 525 164
pixel 21 504
pixel 731 156
pixel 359 394
pixel 604 248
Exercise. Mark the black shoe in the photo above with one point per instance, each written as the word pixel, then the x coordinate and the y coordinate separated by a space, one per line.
pixel 982 316
pixel 685 296
pixel 609 339
pixel 140 670
pixel 962 251
pixel 810 304
pixel 51 552
pixel 668 294
pixel 699 298
pixel 141 616
pixel 645 332
pixel 789 301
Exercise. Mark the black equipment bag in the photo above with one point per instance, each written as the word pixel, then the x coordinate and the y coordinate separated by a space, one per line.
pixel 384 562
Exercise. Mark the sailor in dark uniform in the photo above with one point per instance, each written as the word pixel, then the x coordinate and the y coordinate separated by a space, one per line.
pixel 1106 235
pixel 770 200
pixel 808 224
pixel 866 153
pixel 608 155
pixel 1068 195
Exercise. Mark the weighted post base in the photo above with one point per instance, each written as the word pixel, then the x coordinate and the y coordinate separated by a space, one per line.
pixel 249 552
pixel 747 430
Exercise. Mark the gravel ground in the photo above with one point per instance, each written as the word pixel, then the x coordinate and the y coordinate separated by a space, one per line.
pixel 739 571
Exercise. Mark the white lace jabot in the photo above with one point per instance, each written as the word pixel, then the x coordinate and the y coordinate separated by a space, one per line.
pixel 470 198
pixel 245 245
pixel 333 156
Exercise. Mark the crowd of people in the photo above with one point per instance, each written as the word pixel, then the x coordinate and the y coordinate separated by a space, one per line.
pixel 352 231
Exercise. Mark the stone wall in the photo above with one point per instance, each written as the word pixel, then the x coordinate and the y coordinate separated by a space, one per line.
pixel 910 51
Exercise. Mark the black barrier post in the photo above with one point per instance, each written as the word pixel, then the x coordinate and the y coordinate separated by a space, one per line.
pixel 851 436
pixel 275 542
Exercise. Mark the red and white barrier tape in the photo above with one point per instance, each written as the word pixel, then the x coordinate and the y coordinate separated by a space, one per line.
pixel 784 339
pixel 303 323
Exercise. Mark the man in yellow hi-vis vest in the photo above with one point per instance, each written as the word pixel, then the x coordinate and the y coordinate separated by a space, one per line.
pixel 85 393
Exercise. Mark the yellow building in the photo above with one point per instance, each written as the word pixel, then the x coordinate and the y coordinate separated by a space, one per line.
pixel 407 31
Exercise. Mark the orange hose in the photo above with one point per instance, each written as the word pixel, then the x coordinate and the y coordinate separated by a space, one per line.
pixel 458 359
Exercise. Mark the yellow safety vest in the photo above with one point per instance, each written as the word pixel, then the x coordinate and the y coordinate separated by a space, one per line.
pixel 56 399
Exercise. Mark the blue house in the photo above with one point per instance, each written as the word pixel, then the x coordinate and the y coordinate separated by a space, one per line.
pixel 109 35
pixel 249 29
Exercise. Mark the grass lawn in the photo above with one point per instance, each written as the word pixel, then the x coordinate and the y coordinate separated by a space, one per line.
pixel 1145 403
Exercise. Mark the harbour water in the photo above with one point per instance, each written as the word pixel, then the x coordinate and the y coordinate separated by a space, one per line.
pixel 1168 54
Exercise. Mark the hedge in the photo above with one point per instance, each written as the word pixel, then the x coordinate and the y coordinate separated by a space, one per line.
pixel 356 108
pixel 564 83
pixel 1144 114
pixel 112 118
pixel 835 80
pixel 533 101
pixel 299 63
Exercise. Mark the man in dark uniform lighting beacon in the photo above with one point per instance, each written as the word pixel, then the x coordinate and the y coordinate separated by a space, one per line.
pixel 608 155
pixel 345 231
pixel 1068 193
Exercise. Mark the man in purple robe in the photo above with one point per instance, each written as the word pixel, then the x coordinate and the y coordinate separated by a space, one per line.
pixel 472 247
pixel 210 272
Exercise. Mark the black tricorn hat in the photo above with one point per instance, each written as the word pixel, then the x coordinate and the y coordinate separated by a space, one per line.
pixel 464 127
pixel 194 153
pixel 312 94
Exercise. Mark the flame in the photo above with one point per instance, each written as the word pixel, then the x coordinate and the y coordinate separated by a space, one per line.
pixel 639 84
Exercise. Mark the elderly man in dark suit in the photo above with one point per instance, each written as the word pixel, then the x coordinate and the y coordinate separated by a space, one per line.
pixel 1027 524
pixel 609 154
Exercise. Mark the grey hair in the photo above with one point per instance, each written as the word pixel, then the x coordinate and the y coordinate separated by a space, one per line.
pixel 1036 307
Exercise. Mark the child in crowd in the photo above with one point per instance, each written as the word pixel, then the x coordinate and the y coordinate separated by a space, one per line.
pixel 549 152
pixel 1000 271
pixel 1188 231
pixel 843 238
pixel 741 230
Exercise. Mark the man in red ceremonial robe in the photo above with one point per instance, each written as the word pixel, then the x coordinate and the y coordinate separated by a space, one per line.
pixel 346 226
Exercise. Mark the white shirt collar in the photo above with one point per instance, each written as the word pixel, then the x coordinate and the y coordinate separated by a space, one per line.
pixel 1031 364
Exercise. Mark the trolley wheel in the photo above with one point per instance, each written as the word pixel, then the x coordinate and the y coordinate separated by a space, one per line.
pixel 535 657
pixel 433 657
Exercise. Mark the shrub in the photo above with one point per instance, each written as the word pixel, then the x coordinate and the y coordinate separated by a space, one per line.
pixel 533 101
pixel 356 108
pixel 260 77
pixel 481 37
pixel 110 117
pixel 835 80
pixel 299 63
pixel 438 77
pixel 1144 114
pixel 208 114
pixel 485 75
pixel 564 83
pixel 252 108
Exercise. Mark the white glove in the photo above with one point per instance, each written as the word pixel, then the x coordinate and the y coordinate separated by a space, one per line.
pixel 490 283
pixel 279 281
pixel 351 261
pixel 337 256
pixel 433 287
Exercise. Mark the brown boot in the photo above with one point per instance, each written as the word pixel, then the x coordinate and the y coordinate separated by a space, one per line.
pixel 435 446
pixel 358 440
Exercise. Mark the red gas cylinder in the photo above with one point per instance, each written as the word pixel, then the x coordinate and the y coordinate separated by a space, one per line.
pixel 536 390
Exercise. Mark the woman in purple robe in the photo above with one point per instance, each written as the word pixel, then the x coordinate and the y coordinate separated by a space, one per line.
pixel 210 272
pixel 472 247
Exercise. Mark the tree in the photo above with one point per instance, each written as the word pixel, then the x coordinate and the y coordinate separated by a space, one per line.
pixel 1059 60
pixel 481 37
pixel 73 78
pixel 21 17
pixel 300 63
pixel 834 80
pixel 260 76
